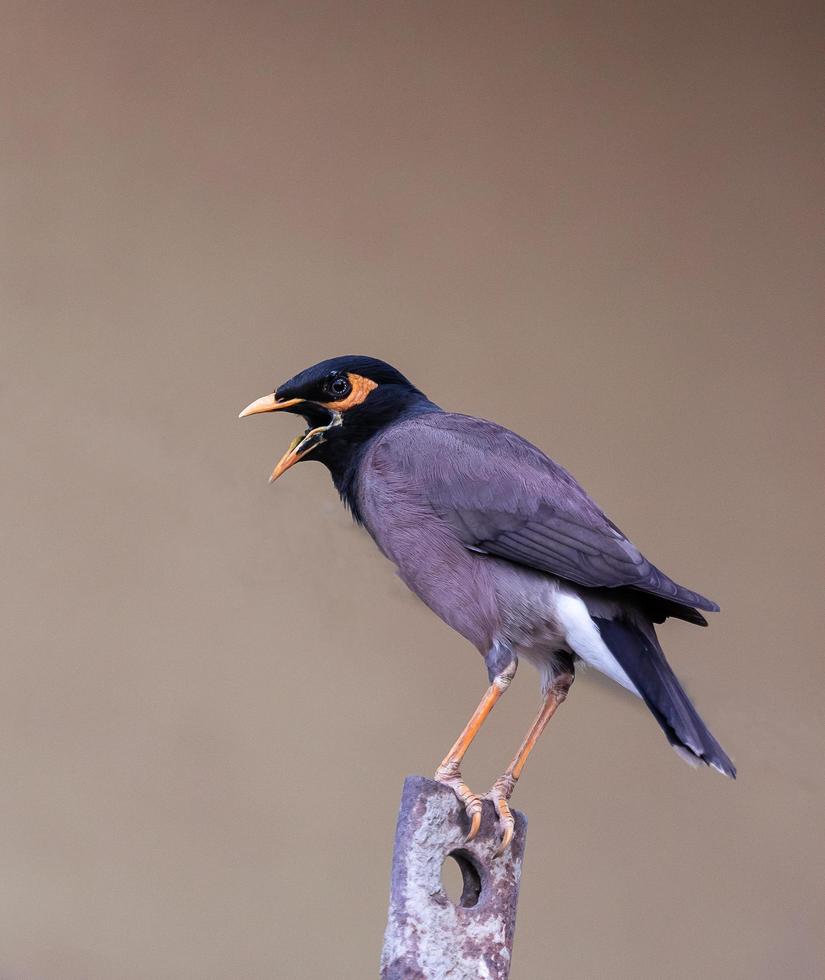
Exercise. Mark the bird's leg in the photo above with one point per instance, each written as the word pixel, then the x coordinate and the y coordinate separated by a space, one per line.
pixel 449 772
pixel 503 787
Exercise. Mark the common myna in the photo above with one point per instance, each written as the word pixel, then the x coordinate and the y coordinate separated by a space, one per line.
pixel 501 543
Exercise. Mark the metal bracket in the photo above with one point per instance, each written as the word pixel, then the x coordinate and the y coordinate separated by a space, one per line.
pixel 428 937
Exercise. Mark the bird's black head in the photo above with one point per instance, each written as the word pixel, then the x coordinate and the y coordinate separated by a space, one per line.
pixel 345 402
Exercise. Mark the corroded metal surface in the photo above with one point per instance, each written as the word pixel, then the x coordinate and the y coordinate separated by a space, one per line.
pixel 429 937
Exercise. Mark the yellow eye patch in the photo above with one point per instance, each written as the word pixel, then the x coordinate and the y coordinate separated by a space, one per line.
pixel 361 387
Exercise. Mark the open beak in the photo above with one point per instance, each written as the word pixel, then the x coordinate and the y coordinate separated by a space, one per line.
pixel 301 445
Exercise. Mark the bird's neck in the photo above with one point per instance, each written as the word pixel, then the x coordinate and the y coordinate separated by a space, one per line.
pixel 344 454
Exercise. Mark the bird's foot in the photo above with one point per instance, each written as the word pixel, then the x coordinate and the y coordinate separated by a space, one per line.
pixel 500 793
pixel 449 773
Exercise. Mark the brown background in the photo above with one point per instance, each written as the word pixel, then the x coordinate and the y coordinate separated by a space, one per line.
pixel 595 224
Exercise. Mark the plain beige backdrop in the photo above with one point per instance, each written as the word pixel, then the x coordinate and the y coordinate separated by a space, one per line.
pixel 597 224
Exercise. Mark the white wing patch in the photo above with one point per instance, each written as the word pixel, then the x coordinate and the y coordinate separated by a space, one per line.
pixel 585 641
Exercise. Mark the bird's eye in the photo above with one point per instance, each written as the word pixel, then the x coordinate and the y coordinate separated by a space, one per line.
pixel 339 386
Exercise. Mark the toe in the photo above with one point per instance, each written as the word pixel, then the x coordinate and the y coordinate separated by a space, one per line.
pixel 450 775
pixel 475 822
pixel 508 825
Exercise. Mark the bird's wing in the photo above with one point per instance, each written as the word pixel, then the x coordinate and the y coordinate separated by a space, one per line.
pixel 502 496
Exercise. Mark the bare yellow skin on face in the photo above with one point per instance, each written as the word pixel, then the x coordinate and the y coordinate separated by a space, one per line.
pixel 361 387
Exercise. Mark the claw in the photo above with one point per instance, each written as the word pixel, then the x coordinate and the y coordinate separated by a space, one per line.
pixel 475 823
pixel 499 794
pixel 508 823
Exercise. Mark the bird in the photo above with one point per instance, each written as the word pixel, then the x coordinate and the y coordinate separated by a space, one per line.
pixel 502 544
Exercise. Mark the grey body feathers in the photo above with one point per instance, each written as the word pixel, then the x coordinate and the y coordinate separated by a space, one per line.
pixel 506 547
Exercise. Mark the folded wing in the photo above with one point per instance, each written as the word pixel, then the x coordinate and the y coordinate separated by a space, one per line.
pixel 504 497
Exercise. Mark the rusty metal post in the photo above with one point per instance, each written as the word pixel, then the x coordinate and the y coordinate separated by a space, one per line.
pixel 429 937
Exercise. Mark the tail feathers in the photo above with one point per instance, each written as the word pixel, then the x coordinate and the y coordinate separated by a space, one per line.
pixel 660 609
pixel 643 661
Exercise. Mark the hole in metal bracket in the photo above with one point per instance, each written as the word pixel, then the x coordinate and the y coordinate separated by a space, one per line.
pixel 470 879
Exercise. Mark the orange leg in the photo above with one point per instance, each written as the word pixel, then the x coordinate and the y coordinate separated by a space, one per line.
pixel 503 787
pixel 449 772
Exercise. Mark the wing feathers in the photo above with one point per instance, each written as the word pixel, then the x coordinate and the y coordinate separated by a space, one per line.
pixel 502 496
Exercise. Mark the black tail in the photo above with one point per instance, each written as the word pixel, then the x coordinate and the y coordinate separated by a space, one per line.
pixel 642 659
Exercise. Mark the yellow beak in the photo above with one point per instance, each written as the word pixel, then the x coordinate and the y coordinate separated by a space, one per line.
pixel 268 404
pixel 298 448
pixel 300 445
